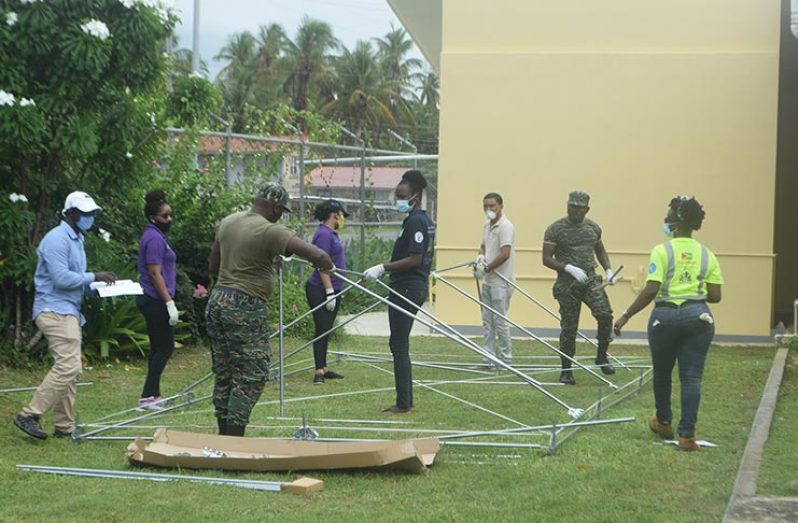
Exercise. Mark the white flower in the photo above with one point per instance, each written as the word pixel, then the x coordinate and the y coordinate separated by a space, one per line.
pixel 105 235
pixel 96 28
pixel 29 1
pixel 6 98
pixel 11 18
pixel 14 197
pixel 127 90
pixel 152 118
pixel 24 102
pixel 128 155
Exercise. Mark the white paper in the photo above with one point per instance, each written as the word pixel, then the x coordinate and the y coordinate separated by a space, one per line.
pixel 700 442
pixel 120 288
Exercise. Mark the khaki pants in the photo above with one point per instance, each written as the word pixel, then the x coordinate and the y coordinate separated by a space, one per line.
pixel 57 391
pixel 494 326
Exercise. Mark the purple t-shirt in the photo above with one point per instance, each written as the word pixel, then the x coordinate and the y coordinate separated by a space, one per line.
pixel 153 250
pixel 327 240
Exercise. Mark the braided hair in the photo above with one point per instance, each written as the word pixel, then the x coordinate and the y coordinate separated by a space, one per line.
pixel 155 199
pixel 688 211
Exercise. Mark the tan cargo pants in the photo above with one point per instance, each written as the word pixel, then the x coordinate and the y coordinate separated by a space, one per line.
pixel 57 391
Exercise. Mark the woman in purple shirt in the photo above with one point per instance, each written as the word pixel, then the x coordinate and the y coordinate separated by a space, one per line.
pixel 322 287
pixel 157 271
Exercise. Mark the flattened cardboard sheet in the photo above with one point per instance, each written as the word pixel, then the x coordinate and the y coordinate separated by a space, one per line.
pixel 172 448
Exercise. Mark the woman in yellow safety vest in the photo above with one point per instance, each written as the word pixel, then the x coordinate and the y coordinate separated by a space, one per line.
pixel 683 276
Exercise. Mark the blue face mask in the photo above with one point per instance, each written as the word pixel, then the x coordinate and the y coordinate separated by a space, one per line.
pixel 85 222
pixel 666 228
pixel 403 206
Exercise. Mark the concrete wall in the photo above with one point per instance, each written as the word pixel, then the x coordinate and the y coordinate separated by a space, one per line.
pixel 633 102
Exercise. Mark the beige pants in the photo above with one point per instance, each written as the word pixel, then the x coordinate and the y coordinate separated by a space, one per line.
pixel 57 391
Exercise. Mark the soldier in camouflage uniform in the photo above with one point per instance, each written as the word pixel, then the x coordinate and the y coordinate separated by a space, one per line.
pixel 243 254
pixel 569 246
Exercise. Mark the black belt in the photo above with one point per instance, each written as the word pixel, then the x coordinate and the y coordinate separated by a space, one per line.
pixel 671 305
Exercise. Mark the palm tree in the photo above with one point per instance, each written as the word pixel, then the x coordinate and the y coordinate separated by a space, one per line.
pixel 363 99
pixel 239 52
pixel 307 57
pixel 430 91
pixel 237 80
pixel 399 70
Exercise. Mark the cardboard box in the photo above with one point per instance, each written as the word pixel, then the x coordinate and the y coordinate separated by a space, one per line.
pixel 172 448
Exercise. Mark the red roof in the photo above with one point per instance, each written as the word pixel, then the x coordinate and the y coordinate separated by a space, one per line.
pixel 349 176
pixel 215 144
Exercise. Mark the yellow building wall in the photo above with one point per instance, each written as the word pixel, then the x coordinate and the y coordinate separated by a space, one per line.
pixel 633 102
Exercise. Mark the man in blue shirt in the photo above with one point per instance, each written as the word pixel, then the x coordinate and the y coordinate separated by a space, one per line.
pixel 61 281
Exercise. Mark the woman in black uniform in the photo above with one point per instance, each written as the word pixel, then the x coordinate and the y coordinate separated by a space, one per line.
pixel 409 270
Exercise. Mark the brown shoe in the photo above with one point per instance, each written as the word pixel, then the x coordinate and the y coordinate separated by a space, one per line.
pixel 393 409
pixel 664 430
pixel 688 444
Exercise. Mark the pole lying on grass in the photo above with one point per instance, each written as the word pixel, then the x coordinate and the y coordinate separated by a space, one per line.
pixel 557 317
pixel 270 486
pixel 524 330
pixel 28 389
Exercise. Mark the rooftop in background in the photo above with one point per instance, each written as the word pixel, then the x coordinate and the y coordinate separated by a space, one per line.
pixel 349 176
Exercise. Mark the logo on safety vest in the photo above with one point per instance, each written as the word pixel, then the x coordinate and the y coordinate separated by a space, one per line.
pixel 687 256
pixel 652 268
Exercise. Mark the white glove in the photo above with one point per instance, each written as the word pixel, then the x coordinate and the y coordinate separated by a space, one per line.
pixel 374 273
pixel 480 269
pixel 578 274
pixel 330 305
pixel 480 260
pixel 610 277
pixel 171 309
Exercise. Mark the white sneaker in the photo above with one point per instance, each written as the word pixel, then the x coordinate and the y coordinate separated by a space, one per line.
pixel 149 403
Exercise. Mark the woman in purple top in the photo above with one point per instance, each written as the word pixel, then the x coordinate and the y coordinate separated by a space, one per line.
pixel 157 271
pixel 322 287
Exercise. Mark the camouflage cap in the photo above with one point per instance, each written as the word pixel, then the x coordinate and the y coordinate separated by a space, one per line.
pixel 578 199
pixel 276 194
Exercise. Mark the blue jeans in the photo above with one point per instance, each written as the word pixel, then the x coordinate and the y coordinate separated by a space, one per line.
pixel 401 325
pixel 679 333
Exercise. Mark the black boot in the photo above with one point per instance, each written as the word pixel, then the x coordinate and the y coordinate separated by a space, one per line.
pixel 604 363
pixel 567 377
pixel 222 423
pixel 236 430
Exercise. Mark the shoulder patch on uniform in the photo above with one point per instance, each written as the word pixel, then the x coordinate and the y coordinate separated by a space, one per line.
pixel 419 237
pixel 652 267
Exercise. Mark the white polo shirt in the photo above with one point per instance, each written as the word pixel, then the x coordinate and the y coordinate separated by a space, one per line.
pixel 494 237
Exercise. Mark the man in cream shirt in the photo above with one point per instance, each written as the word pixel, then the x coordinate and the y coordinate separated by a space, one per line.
pixel 496 257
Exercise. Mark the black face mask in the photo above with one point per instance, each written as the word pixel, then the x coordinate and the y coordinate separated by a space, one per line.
pixel 163 226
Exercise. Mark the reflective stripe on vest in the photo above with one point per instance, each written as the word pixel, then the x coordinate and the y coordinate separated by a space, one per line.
pixel 670 272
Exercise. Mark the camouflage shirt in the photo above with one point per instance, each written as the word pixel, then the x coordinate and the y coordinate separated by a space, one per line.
pixel 574 244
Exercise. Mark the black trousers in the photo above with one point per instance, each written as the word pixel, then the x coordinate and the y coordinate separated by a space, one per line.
pixel 323 321
pixel 162 342
pixel 400 325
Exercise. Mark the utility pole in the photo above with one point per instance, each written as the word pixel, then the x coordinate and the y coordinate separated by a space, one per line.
pixel 195 52
pixel 362 193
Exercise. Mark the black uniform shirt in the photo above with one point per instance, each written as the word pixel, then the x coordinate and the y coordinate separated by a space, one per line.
pixel 417 237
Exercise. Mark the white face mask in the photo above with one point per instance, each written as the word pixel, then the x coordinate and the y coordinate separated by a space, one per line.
pixel 491 215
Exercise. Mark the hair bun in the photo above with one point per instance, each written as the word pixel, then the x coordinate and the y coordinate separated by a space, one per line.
pixel 415 178
pixel 155 196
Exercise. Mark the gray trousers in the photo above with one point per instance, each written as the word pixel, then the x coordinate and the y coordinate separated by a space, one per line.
pixel 494 326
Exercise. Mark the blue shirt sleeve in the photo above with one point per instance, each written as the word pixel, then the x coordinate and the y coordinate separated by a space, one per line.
pixel 54 253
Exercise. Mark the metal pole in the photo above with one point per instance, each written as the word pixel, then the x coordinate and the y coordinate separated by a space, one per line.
pixel 27 389
pixel 557 317
pixel 195 52
pixel 282 342
pixel 227 153
pixel 363 206
pixel 301 173
pixel 524 330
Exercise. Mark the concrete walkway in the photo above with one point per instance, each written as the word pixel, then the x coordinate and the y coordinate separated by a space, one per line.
pixel 745 506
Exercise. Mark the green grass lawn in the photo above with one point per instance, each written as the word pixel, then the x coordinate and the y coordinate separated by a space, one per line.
pixel 779 473
pixel 616 472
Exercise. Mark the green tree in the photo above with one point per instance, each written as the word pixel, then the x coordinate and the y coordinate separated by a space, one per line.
pixel 308 58
pixel 82 89
pixel 364 96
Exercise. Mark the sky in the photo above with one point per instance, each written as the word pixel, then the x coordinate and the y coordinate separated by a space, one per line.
pixel 351 20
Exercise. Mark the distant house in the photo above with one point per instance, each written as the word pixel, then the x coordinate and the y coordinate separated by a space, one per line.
pixel 343 181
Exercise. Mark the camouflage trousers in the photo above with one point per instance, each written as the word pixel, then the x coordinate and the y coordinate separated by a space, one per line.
pixel 571 294
pixel 238 328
